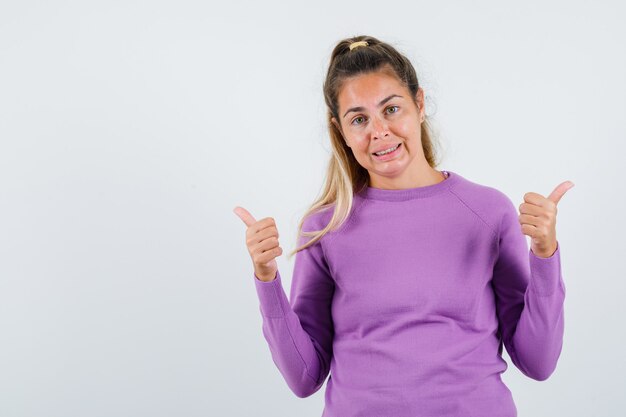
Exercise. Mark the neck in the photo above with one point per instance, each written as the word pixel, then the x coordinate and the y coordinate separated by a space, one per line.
pixel 429 176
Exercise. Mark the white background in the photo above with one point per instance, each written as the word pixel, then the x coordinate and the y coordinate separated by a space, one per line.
pixel 130 130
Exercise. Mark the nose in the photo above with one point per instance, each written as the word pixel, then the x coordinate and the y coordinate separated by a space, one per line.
pixel 380 127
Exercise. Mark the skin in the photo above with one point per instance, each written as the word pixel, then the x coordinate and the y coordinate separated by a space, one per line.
pixel 538 219
pixel 398 120
pixel 376 127
pixel 262 243
pixel 379 127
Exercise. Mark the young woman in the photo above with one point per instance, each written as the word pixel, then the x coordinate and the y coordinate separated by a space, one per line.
pixel 414 278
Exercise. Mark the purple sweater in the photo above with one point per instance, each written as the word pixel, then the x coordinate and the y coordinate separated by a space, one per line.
pixel 408 304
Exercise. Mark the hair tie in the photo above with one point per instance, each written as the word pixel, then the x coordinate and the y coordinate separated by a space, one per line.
pixel 357 44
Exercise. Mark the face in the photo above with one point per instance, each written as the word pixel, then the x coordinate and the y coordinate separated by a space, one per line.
pixel 377 113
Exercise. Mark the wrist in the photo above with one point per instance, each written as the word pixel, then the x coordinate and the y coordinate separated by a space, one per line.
pixel 265 278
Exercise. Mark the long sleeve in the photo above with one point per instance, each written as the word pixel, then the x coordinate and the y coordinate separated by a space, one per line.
pixel 300 333
pixel 530 294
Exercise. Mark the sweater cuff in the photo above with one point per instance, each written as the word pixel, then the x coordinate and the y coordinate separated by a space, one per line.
pixel 545 272
pixel 272 298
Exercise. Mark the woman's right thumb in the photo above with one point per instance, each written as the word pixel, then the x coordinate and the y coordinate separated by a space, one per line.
pixel 244 215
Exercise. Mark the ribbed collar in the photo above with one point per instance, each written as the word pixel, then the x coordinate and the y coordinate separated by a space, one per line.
pixel 410 193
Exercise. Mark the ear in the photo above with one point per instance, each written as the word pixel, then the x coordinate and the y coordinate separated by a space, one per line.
pixel 336 123
pixel 419 97
pixel 338 126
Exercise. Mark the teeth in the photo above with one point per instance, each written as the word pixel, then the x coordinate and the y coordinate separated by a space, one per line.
pixel 387 151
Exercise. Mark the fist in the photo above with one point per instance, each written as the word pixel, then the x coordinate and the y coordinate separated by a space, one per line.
pixel 262 244
pixel 538 219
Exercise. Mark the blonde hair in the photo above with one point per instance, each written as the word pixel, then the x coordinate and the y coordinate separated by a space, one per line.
pixel 344 175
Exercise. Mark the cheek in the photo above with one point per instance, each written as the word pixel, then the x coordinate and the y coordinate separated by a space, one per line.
pixel 360 144
pixel 360 151
pixel 405 127
pixel 364 150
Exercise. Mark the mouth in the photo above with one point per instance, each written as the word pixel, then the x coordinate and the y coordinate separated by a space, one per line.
pixel 388 155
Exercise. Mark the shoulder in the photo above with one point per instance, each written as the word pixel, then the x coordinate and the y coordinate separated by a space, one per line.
pixel 317 220
pixel 312 223
pixel 486 201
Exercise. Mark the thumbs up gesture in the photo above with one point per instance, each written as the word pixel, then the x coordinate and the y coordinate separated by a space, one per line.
pixel 538 219
pixel 262 243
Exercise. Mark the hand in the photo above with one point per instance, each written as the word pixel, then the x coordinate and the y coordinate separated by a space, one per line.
pixel 538 219
pixel 262 243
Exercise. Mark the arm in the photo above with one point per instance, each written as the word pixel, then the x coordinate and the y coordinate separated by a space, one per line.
pixel 300 333
pixel 530 293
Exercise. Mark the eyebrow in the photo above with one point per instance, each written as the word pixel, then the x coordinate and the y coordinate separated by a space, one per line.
pixel 383 101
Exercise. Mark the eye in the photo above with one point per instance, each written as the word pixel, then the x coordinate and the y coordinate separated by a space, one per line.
pixel 390 107
pixel 356 118
pixel 393 107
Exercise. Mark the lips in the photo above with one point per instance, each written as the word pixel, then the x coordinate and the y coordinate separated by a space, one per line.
pixel 389 156
pixel 384 149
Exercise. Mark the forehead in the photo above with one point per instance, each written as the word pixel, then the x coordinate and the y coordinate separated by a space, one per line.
pixel 368 89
